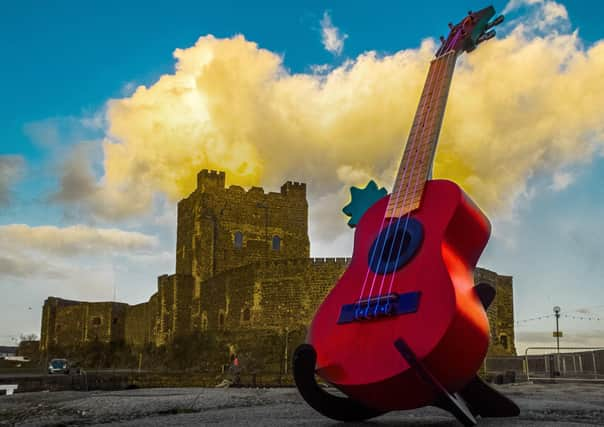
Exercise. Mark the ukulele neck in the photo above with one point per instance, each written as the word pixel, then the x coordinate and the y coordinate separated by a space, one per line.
pixel 419 152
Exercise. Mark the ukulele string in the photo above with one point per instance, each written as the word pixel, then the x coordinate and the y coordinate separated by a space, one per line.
pixel 361 294
pixel 435 91
pixel 446 72
pixel 367 272
pixel 423 102
pixel 396 194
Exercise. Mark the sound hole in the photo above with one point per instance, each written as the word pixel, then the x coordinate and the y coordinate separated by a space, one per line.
pixel 394 242
pixel 395 246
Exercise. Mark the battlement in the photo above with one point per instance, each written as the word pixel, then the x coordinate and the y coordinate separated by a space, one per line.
pixel 304 262
pixel 330 261
pixel 210 180
pixel 294 188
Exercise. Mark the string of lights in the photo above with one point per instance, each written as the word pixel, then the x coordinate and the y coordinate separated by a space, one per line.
pixel 567 316
pixel 545 316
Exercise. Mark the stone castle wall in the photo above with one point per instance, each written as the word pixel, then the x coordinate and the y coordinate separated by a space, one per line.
pixel 500 313
pixel 243 272
pixel 269 295
pixel 70 323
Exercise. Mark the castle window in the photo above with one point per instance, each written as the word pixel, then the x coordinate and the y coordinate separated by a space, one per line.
pixel 96 321
pixel 115 320
pixel 276 243
pixel 238 240
pixel 246 315
pixel 221 320
pixel 503 340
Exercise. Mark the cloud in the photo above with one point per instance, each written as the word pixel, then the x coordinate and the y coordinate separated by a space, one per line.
pixel 25 267
pixel 585 338
pixel 79 186
pixel 561 180
pixel 11 169
pixel 540 17
pixel 320 68
pixel 54 132
pixel 73 240
pixel 77 181
pixel 519 106
pixel 332 39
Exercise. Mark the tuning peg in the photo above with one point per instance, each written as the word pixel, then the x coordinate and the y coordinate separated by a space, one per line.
pixel 450 25
pixel 469 12
pixel 442 39
pixel 486 36
pixel 497 21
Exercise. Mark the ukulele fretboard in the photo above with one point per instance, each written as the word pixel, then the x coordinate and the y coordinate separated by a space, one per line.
pixel 423 137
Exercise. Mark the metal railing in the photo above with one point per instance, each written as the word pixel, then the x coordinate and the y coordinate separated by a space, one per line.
pixel 582 364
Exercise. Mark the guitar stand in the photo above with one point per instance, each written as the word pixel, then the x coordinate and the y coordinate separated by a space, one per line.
pixel 334 407
pixel 477 398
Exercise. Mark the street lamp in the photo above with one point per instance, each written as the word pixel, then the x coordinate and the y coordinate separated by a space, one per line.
pixel 557 314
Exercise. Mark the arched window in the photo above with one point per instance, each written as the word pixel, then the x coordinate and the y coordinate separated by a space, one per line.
pixel 276 243
pixel 246 315
pixel 238 240
pixel 221 320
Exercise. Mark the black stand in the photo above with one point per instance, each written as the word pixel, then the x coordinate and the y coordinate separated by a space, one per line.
pixel 452 403
pixel 335 407
pixel 477 398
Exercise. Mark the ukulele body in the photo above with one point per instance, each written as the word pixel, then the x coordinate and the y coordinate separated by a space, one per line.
pixel 448 331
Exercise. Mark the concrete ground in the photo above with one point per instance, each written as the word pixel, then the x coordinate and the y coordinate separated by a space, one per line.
pixel 541 405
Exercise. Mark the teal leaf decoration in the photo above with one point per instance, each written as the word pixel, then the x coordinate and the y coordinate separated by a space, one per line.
pixel 362 199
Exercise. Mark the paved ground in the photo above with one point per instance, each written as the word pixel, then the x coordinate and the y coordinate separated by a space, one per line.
pixel 541 405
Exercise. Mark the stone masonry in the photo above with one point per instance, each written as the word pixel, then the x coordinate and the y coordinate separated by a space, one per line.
pixel 242 271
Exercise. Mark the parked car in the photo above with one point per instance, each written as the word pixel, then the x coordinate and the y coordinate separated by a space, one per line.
pixel 58 366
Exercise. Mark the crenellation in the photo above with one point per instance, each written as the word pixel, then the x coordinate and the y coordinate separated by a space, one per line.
pixel 210 181
pixel 294 189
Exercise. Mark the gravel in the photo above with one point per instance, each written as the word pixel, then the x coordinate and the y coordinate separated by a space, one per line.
pixel 541 405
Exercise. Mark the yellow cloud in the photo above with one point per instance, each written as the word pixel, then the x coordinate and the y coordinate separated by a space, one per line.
pixel 518 105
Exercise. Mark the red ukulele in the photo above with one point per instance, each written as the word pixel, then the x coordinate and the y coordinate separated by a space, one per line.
pixel 405 326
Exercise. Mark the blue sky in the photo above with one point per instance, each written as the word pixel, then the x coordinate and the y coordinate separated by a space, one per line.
pixel 63 63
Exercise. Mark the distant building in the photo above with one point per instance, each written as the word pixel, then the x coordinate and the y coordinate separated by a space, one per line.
pixel 242 270
pixel 7 351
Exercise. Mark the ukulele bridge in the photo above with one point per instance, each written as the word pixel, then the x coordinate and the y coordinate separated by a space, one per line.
pixel 379 306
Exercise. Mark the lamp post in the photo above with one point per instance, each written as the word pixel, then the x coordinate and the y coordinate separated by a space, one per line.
pixel 557 313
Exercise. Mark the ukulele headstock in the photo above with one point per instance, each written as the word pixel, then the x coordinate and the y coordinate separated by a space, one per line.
pixel 470 32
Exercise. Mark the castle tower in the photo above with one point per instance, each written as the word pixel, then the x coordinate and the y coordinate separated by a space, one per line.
pixel 224 228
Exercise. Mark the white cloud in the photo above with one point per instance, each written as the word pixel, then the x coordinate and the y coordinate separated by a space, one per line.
pixel 128 88
pixel 517 4
pixel 540 17
pixel 20 266
pixel 320 68
pixel 332 38
pixel 11 169
pixel 561 180
pixel 572 338
pixel 73 240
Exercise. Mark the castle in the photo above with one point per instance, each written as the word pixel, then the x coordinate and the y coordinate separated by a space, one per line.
pixel 243 270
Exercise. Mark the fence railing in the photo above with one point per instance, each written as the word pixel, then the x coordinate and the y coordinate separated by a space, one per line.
pixel 581 364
